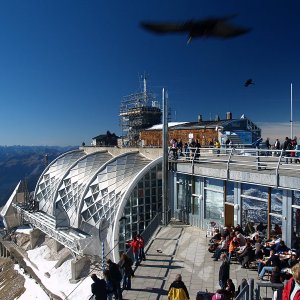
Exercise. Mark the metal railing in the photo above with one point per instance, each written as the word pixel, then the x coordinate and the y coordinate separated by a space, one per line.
pixel 265 290
pixel 275 161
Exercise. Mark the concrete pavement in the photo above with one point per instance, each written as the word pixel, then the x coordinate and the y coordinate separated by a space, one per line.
pixel 180 249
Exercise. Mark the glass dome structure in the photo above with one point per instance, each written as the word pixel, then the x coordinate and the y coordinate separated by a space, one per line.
pixel 79 190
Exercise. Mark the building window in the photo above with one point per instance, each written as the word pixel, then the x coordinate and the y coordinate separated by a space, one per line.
pixel 214 200
pixel 254 203
pixel 229 192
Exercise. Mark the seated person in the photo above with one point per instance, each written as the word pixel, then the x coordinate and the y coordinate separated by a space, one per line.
pixel 216 238
pixel 233 244
pixel 277 229
pixel 223 247
pixel 261 227
pixel 273 261
pixel 276 276
pixel 280 247
pixel 239 228
pixel 246 256
pixel 293 260
pixel 249 229
pixel 241 239
pixel 230 289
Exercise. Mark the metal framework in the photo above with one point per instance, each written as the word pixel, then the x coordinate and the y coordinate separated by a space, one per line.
pixel 70 238
pixel 137 112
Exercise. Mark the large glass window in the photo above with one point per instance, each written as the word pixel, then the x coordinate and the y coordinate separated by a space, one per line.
pixel 229 192
pixel 214 200
pixel 142 206
pixel 276 211
pixel 214 207
pixel 254 204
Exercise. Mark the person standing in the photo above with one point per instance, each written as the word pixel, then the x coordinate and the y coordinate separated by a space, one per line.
pixel 116 278
pixel 141 240
pixel 224 271
pixel 109 285
pixel 135 246
pixel 98 288
pixel 125 264
pixel 178 290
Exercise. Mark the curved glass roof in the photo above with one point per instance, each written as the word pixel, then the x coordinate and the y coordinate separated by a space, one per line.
pixel 106 189
pixel 48 182
pixel 75 182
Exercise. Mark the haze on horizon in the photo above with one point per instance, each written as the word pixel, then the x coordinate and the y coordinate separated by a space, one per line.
pixel 66 65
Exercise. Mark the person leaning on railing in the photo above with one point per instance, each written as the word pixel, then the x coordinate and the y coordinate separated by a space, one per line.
pixel 291 290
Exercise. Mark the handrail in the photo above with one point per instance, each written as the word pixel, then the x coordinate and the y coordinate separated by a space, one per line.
pixel 276 161
pixel 274 286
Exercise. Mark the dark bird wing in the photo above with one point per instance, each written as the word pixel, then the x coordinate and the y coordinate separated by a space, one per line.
pixel 165 27
pixel 248 82
pixel 225 29
pixel 219 27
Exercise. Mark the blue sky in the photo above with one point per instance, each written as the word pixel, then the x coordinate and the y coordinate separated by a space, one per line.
pixel 65 65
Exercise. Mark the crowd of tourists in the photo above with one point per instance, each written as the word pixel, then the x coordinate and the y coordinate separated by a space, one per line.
pixel 246 246
pixel 192 148
pixel 117 276
pixel 249 247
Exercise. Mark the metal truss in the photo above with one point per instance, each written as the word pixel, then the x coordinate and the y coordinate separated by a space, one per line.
pixel 69 237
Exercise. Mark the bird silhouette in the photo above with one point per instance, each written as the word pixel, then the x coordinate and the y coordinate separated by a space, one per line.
pixel 210 27
pixel 248 82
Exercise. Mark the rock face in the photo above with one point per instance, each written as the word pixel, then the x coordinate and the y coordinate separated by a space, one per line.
pixel 11 282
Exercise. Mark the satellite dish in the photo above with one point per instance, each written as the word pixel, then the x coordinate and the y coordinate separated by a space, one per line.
pixel 103 229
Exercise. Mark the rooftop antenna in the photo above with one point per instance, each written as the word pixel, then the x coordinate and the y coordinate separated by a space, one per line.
pixel 291 111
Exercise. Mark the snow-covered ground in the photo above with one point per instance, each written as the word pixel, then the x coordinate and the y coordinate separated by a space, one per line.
pixel 58 282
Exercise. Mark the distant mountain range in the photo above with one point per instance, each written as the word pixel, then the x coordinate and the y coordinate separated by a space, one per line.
pixel 24 162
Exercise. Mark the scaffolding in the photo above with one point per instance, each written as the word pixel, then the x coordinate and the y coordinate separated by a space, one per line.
pixel 138 111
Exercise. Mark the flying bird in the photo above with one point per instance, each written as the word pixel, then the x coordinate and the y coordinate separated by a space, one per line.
pixel 248 82
pixel 210 27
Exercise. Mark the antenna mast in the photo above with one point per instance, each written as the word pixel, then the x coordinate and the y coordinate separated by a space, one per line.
pixel 291 111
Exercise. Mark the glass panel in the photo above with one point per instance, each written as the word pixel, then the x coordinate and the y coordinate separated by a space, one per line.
pixel 276 226
pixel 296 228
pixel 276 201
pixel 254 211
pixel 214 184
pixel 214 206
pixel 255 191
pixel 195 205
pixel 229 192
pixel 296 198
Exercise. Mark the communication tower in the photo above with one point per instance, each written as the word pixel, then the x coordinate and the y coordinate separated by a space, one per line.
pixel 138 111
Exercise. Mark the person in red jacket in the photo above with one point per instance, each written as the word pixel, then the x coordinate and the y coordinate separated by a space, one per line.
pixel 291 291
pixel 135 246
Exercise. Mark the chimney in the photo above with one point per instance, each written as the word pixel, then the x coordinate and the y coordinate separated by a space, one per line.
pixel 217 118
pixel 199 118
pixel 229 116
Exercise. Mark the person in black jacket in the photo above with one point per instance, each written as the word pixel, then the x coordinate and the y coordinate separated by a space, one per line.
pixel 224 271
pixel 178 285
pixel 246 256
pixel 273 261
pixel 98 288
pixel 125 264
pixel 116 278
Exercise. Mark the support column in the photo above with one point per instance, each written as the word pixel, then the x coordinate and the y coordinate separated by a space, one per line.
pixel 77 267
pixel 58 246
pixel 35 235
